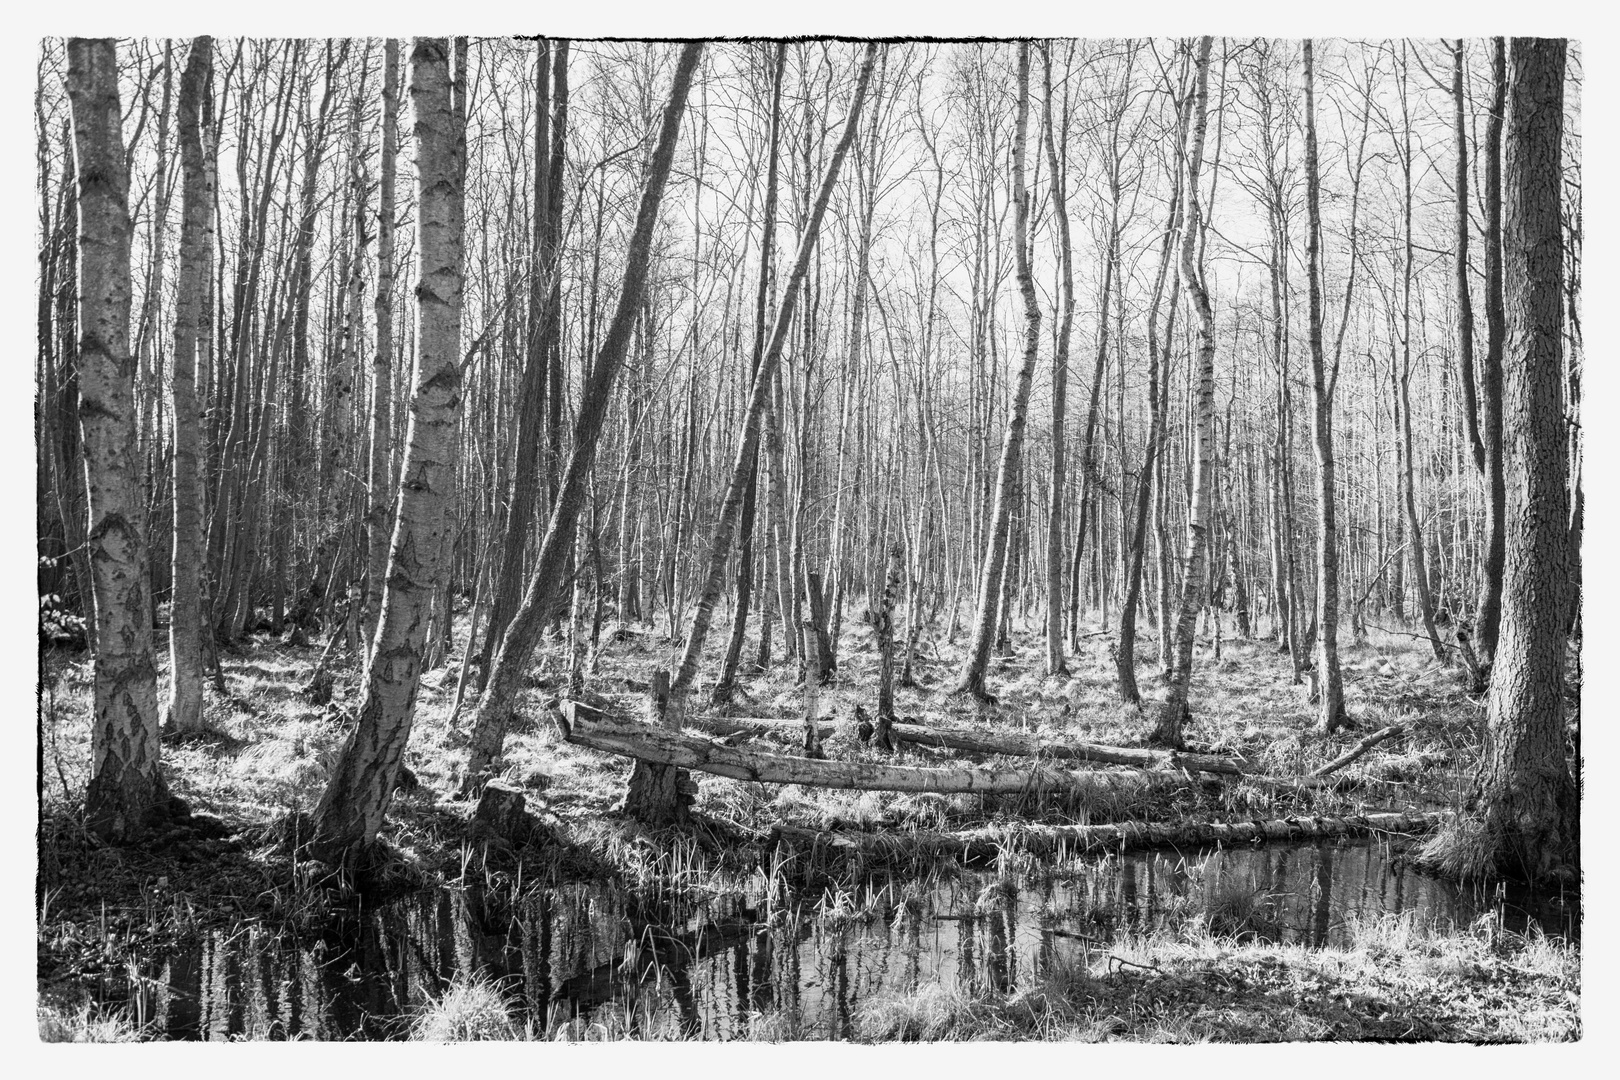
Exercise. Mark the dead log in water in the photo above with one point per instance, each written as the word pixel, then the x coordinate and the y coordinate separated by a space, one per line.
pixel 1011 744
pixel 988 841
pixel 585 726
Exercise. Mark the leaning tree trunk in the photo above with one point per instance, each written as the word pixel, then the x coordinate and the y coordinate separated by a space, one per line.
pixel 545 585
pixel 1528 801
pixel 186 612
pixel 984 620
pixel 648 776
pixel 1329 682
pixel 362 784
pixel 1173 712
pixel 745 543
pixel 527 438
pixel 731 506
pixel 126 787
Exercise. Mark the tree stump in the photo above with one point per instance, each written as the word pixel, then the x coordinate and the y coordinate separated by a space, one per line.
pixel 501 812
pixel 659 795
pixel 812 691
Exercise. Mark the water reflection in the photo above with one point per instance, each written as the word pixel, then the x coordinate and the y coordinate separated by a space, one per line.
pixel 744 963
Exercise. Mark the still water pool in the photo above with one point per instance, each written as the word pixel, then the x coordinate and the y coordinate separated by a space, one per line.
pixel 746 959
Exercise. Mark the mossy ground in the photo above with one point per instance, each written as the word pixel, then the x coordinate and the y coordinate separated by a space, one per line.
pixel 270 758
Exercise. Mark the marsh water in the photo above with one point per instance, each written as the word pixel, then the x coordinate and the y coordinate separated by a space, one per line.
pixel 747 957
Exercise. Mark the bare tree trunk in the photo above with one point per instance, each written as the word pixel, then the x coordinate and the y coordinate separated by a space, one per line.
pixel 1490 383
pixel 731 506
pixel 126 789
pixel 545 584
pixel 1158 375
pixel 984 621
pixel 186 612
pixel 1060 380
pixel 1402 384
pixel 882 620
pixel 352 808
pixel 1528 802
pixel 1465 300
pixel 745 542
pixel 381 479
pixel 1330 684
pixel 527 440
pixel 1173 713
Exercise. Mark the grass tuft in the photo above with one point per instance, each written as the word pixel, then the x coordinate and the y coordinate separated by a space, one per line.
pixel 470 1010
pixel 86 1024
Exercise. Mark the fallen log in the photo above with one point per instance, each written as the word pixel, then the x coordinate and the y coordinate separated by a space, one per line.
pixel 1360 748
pixel 1011 744
pixel 988 841
pixel 1016 745
pixel 585 726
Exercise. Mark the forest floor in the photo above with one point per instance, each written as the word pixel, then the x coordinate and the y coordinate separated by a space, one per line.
pixel 269 759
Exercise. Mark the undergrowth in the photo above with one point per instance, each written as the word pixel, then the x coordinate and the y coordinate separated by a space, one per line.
pixel 267 760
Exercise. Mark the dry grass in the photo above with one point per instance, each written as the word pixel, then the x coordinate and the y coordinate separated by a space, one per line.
pixel 1395 982
pixel 468 1011
pixel 84 1024
pixel 276 750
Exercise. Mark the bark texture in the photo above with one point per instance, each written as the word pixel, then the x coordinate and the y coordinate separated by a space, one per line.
pixel 380 481
pixel 126 789
pixel 1173 711
pixel 187 615
pixel 1528 799
pixel 362 784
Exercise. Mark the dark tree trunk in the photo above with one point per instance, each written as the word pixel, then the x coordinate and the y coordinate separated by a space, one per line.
pixel 1490 383
pixel 745 526
pixel 187 613
pixel 545 584
pixel 1528 801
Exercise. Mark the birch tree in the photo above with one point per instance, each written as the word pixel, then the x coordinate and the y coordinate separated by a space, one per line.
pixel 126 789
pixel 1173 711
pixel 187 612
pixel 1328 680
pixel 971 679
pixel 368 768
